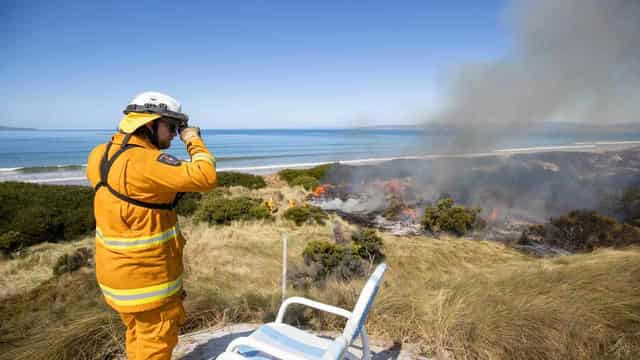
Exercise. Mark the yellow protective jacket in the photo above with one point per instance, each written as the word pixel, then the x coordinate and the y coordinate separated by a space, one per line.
pixel 139 249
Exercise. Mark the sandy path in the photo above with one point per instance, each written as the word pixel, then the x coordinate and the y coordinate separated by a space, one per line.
pixel 209 343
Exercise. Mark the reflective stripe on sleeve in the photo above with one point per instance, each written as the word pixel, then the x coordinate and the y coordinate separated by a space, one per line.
pixel 204 157
pixel 138 242
pixel 140 296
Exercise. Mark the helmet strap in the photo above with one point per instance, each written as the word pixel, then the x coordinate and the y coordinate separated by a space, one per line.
pixel 154 134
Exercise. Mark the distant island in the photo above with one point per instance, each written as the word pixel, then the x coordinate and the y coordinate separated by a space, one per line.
pixel 15 128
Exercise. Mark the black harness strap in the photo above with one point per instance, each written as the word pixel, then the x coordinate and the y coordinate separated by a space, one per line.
pixel 105 166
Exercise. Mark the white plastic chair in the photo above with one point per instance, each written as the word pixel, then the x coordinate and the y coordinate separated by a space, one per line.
pixel 281 341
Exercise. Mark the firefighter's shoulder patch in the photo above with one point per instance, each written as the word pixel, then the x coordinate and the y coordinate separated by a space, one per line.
pixel 169 159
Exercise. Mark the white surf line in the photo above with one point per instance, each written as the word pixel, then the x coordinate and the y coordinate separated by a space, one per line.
pixel 545 148
pixel 626 142
pixel 617 142
pixel 40 181
pixel 10 169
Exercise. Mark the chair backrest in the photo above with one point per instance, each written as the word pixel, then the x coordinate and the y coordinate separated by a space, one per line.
pixel 361 310
pixel 336 349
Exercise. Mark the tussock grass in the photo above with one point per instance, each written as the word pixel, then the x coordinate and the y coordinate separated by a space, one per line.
pixel 34 266
pixel 475 300
pixel 455 298
pixel 92 336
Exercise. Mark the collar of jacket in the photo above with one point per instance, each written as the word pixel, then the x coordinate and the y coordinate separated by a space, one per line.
pixel 134 139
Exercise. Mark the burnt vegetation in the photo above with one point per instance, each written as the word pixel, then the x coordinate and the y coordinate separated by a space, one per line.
pixel 581 231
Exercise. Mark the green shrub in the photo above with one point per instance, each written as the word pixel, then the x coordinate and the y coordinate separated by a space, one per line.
pixel 307 182
pixel 249 181
pixel 33 213
pixel 324 253
pixel 72 262
pixel 218 210
pixel 446 216
pixel 323 259
pixel 368 245
pixel 188 204
pixel 307 213
pixel 317 172
pixel 581 231
pixel 259 212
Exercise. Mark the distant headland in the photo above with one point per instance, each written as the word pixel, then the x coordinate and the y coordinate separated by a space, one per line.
pixel 15 128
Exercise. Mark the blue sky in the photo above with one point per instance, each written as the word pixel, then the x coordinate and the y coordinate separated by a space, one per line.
pixel 239 64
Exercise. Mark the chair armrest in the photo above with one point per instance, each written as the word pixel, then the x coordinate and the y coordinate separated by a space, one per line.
pixel 259 346
pixel 230 356
pixel 313 304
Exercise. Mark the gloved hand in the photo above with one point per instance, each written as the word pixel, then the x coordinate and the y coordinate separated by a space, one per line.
pixel 187 134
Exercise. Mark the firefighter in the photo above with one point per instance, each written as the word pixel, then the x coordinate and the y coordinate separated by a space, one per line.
pixel 138 243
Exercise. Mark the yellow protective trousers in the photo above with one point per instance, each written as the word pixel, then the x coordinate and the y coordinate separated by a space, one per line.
pixel 152 334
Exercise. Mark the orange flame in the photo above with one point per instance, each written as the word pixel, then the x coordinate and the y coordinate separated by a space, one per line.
pixel 494 214
pixel 320 190
pixel 411 213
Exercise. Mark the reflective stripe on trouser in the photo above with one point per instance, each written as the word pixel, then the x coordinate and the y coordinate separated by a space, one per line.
pixel 152 334
pixel 136 243
pixel 141 296
pixel 204 157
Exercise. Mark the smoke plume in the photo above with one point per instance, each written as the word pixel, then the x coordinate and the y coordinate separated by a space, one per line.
pixel 572 60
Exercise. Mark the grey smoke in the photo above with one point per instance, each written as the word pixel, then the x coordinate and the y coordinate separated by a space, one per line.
pixel 572 60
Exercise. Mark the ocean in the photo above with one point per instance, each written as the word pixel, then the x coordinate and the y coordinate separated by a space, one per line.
pixel 60 156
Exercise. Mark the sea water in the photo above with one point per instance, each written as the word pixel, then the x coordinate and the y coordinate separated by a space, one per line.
pixel 60 156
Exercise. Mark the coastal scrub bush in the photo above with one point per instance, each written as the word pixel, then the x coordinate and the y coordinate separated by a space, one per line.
pixel 249 181
pixel 317 172
pixel 219 210
pixel 188 203
pixel 307 213
pixel 324 253
pixel 368 245
pixel 72 262
pixel 307 182
pixel 343 261
pixel 581 231
pixel 323 258
pixel 33 213
pixel 446 216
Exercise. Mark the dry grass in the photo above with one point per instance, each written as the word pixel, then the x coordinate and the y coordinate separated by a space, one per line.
pixel 34 266
pixel 453 297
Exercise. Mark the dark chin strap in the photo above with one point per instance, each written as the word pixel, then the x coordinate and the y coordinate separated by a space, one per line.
pixel 154 134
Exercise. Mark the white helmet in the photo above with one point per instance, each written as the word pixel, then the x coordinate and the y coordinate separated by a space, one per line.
pixel 156 98
pixel 148 106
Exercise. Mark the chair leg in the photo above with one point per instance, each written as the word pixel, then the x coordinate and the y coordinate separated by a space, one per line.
pixel 366 354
